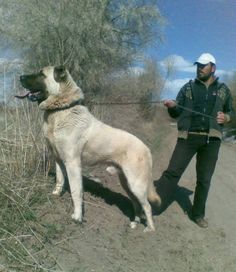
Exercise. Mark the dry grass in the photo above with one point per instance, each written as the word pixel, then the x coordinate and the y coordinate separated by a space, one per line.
pixel 21 142
pixel 23 186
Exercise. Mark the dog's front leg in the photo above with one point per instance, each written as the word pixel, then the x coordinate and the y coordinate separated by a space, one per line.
pixel 60 180
pixel 74 175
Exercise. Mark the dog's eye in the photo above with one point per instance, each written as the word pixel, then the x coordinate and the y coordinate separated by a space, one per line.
pixel 41 73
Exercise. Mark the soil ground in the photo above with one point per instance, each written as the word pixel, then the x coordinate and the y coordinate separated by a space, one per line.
pixel 105 242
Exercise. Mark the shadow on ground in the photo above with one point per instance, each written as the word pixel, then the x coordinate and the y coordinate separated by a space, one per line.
pixel 169 194
pixel 110 197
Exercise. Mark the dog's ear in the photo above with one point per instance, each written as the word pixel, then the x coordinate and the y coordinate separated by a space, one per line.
pixel 60 73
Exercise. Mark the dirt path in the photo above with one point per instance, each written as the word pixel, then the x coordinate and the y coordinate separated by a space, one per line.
pixel 218 243
pixel 222 206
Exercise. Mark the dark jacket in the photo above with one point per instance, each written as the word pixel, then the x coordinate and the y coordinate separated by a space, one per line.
pixel 187 97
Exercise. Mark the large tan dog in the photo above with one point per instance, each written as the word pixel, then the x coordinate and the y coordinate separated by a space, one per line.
pixel 76 137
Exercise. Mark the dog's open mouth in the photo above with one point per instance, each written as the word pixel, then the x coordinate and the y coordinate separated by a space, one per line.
pixel 31 95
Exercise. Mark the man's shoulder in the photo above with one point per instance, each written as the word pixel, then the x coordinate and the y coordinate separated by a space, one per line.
pixel 222 87
pixel 188 85
pixel 222 84
pixel 186 90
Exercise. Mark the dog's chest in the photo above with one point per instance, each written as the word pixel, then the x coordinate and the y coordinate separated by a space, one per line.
pixel 52 127
pixel 64 126
pixel 48 129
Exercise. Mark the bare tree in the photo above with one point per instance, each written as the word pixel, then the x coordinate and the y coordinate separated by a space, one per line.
pixel 91 37
pixel 232 86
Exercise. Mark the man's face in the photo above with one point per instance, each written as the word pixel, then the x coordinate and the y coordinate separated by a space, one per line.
pixel 204 72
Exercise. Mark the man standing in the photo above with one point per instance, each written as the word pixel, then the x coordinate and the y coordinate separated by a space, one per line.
pixel 202 106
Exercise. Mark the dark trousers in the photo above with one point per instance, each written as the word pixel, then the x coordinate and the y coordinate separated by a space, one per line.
pixel 206 151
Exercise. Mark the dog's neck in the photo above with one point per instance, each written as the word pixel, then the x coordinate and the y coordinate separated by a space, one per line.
pixel 69 96
pixel 68 85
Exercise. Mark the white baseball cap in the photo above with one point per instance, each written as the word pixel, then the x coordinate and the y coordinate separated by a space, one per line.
pixel 205 58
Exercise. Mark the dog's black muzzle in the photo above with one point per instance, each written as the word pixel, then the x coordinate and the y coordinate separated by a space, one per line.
pixel 34 84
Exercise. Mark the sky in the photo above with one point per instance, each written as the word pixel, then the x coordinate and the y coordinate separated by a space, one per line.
pixel 195 27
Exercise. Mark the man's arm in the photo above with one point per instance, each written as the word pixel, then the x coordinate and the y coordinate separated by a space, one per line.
pixel 228 111
pixel 222 118
pixel 172 106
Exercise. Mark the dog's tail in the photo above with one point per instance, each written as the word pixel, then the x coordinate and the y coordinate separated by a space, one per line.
pixel 153 197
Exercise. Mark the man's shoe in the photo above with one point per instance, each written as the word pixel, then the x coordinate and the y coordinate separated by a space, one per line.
pixel 201 222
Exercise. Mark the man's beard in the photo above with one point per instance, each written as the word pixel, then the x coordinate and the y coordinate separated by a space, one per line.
pixel 203 77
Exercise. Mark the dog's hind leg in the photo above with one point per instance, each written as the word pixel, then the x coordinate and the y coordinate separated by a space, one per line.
pixel 136 205
pixel 139 189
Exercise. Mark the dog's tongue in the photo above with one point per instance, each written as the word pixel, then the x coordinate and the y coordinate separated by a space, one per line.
pixel 24 95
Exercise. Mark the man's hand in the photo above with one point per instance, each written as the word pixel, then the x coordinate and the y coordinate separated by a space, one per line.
pixel 170 103
pixel 221 118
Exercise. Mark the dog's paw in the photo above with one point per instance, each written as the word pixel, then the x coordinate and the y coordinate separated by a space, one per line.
pixel 75 217
pixel 149 229
pixel 133 225
pixel 57 191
